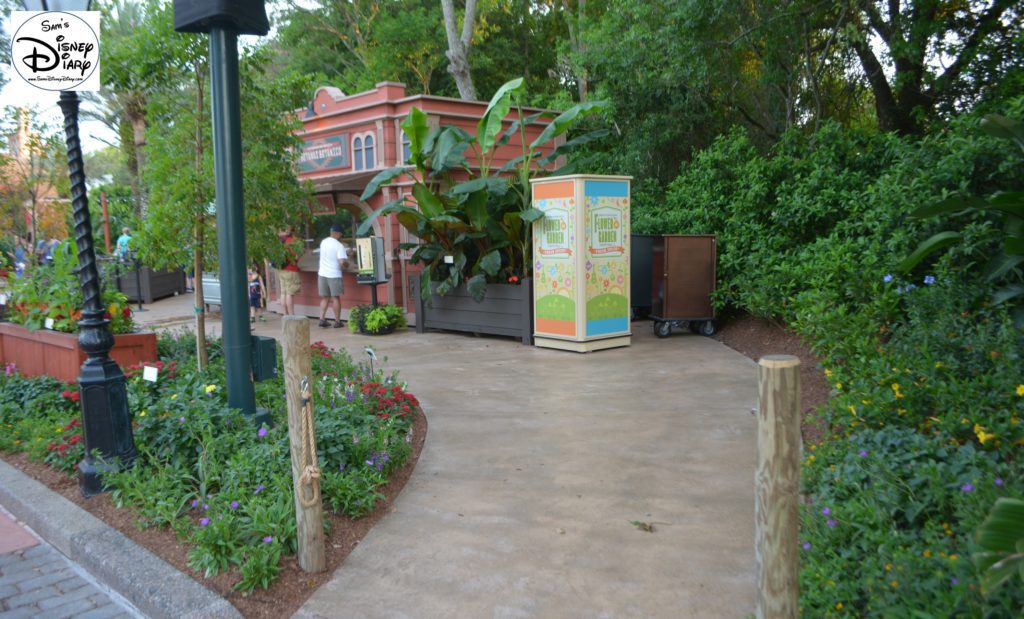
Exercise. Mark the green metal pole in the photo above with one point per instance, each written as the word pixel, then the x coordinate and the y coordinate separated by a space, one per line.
pixel 227 157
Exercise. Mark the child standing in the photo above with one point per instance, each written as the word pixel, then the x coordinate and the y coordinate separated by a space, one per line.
pixel 257 292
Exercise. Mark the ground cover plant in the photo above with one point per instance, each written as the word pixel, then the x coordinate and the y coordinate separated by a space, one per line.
pixel 925 366
pixel 203 470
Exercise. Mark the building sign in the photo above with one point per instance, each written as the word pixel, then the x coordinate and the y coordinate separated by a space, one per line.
pixel 325 154
pixel 555 230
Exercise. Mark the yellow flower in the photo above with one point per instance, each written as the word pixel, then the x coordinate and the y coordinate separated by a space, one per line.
pixel 982 434
pixel 174 396
pixel 142 414
pixel 953 557
pixel 894 584
pixel 927 554
pixel 853 411
pixel 828 373
pixel 211 388
pixel 895 386
pixel 811 459
pixel 1020 390
pixel 839 386
pixel 888 567
pixel 839 606
pixel 938 364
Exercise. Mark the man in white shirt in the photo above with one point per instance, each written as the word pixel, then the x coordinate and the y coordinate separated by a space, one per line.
pixel 333 258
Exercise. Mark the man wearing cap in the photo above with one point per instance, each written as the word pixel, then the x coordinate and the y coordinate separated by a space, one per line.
pixel 333 258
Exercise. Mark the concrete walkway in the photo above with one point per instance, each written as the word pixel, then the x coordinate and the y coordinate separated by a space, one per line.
pixel 537 464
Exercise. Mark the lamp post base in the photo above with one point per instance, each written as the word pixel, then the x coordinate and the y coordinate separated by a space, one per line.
pixel 106 423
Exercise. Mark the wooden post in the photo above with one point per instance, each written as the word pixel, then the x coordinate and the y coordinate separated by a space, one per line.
pixel 776 508
pixel 106 222
pixel 297 365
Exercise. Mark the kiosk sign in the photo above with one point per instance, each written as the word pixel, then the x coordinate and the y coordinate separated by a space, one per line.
pixel 56 50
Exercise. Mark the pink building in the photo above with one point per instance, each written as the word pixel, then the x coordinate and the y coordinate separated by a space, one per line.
pixel 349 139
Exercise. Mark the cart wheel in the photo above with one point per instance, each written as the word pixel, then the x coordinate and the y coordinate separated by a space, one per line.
pixel 707 328
pixel 662 329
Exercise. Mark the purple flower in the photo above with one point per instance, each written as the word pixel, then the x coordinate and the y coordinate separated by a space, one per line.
pixel 968 487
pixel 807 545
pixel 205 507
pixel 181 419
pixel 929 280
pixel 831 523
pixel 863 453
pixel 195 503
pixel 262 431
pixel 260 488
pixel 826 511
pixel 268 539
pixel 999 482
pixel 234 504
pixel 204 521
pixel 10 369
pixel 954 581
pixel 887 278
pixel 341 467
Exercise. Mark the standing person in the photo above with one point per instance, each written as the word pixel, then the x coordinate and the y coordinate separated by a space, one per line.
pixel 288 275
pixel 20 256
pixel 257 292
pixel 121 248
pixel 333 258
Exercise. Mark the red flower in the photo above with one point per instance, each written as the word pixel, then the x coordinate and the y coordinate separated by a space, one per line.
pixel 513 279
pixel 126 312
pixel 74 439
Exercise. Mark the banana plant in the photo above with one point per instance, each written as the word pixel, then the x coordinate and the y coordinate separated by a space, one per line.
pixel 1000 554
pixel 1004 266
pixel 476 230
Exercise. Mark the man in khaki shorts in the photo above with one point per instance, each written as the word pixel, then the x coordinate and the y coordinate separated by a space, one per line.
pixel 288 275
pixel 333 258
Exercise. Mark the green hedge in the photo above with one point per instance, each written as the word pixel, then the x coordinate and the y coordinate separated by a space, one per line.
pixel 928 390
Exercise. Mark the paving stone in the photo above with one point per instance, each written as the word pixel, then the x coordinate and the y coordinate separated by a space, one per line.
pixel 79 596
pixel 19 613
pixel 31 597
pixel 56 574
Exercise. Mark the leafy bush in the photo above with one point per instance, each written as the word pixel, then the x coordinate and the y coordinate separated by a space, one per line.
pixel 376 319
pixel 204 471
pixel 53 292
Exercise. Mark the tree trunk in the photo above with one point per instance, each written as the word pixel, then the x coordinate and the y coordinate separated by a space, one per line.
pixel 574 23
pixel 459 47
pixel 202 358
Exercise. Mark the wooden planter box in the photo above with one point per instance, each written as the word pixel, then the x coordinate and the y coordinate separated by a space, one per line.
pixel 57 354
pixel 506 310
pixel 153 284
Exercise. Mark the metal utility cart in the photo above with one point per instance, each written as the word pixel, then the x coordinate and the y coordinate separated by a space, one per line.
pixel 684 268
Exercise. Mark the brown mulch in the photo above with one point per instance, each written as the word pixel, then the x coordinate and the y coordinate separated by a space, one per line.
pixel 755 338
pixel 293 586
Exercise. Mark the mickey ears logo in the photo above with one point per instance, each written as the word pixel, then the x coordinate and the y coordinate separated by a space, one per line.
pixel 57 51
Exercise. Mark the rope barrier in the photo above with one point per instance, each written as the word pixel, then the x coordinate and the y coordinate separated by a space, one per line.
pixel 310 476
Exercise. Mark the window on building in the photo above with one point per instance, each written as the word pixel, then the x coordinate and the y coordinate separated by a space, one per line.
pixel 371 163
pixel 406 148
pixel 357 153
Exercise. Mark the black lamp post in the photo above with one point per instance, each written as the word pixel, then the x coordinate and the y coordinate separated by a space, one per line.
pixel 224 20
pixel 106 422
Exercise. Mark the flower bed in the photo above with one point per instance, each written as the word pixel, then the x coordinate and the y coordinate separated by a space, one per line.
pixel 203 471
